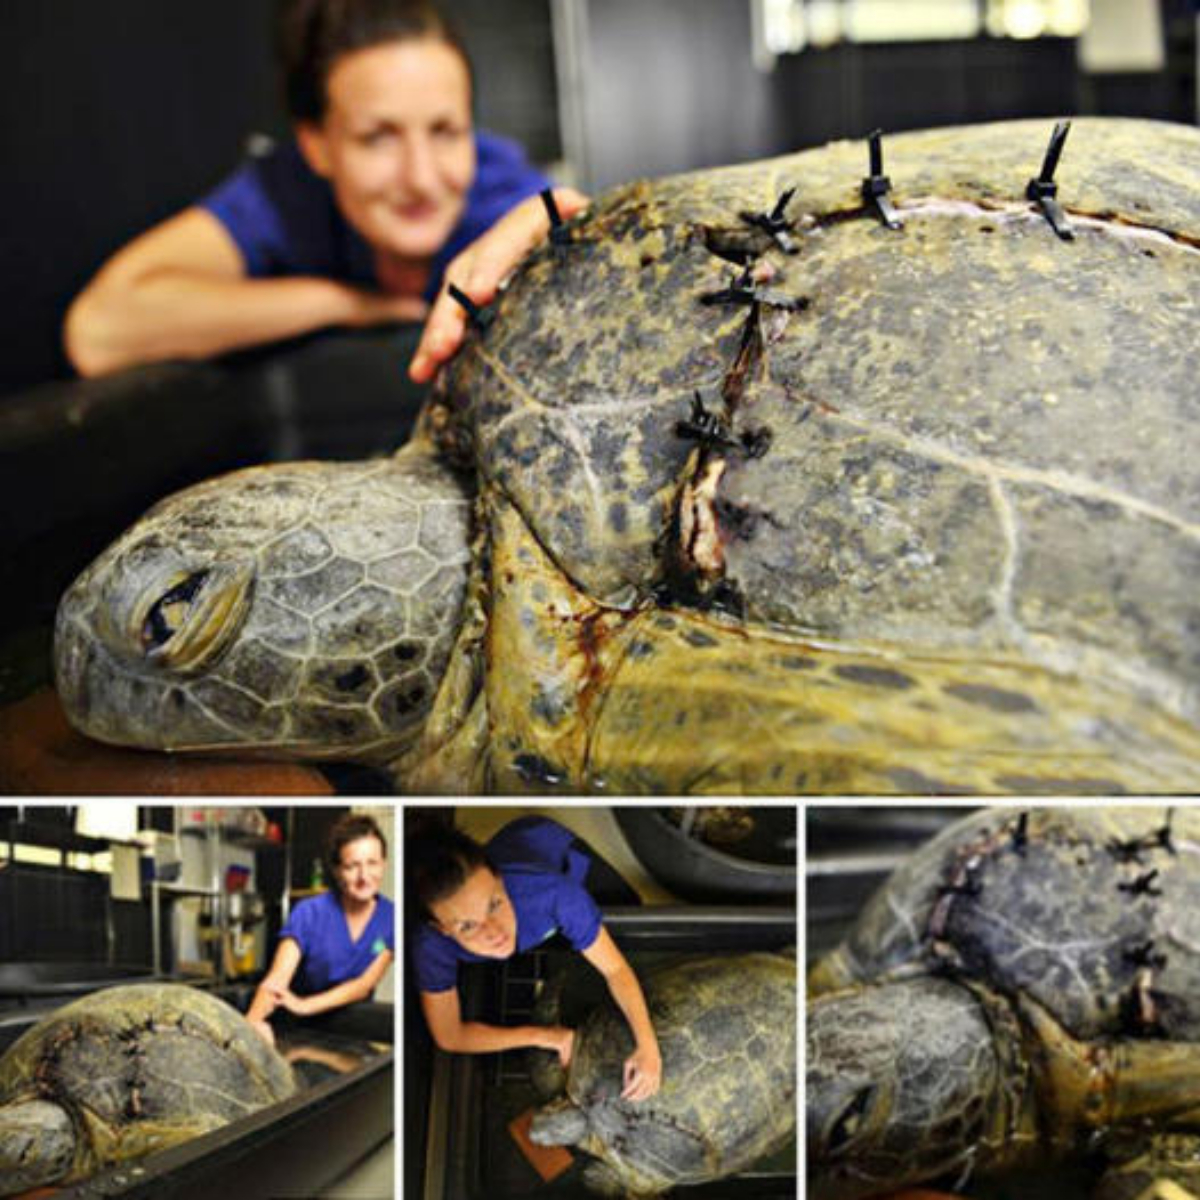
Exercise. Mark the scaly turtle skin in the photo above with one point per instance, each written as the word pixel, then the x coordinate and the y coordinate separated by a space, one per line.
pixel 295 611
pixel 125 1072
pixel 727 1031
pixel 1024 989
pixel 906 510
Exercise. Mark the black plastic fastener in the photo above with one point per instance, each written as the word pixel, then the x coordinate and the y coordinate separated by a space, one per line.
pixel 743 290
pixel 560 235
pixel 876 186
pixel 1043 191
pixel 709 429
pixel 776 224
pixel 480 315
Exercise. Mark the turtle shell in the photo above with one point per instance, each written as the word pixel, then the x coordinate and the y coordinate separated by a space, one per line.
pixel 1092 913
pixel 143 1067
pixel 967 437
pixel 726 1029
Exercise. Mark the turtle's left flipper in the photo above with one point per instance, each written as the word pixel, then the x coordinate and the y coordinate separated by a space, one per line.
pixel 1167 1169
pixel 1134 1083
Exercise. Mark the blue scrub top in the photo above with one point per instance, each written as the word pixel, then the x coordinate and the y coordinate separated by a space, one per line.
pixel 285 221
pixel 544 876
pixel 318 926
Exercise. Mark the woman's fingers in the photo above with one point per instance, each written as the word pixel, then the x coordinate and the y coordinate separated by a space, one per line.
pixel 264 1031
pixel 642 1075
pixel 479 271
pixel 442 335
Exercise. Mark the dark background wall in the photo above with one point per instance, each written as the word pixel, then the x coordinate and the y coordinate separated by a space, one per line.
pixel 115 116
pixel 671 85
pixel 120 113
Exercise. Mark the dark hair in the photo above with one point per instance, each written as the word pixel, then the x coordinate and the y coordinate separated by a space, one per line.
pixel 314 34
pixel 437 863
pixel 347 829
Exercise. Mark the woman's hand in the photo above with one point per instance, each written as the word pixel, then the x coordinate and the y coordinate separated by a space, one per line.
pixel 561 1040
pixel 643 1073
pixel 264 1031
pixel 479 270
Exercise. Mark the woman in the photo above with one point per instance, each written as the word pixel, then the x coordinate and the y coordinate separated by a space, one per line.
pixel 386 192
pixel 335 947
pixel 477 905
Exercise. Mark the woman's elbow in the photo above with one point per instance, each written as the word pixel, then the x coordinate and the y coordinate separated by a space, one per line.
pixel 446 1040
pixel 83 345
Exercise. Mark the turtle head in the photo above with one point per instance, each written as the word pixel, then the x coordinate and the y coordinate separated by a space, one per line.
pixel 560 1123
pixel 37 1145
pixel 299 610
pixel 902 1080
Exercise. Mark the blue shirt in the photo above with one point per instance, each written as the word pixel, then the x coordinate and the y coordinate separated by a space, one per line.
pixel 318 926
pixel 285 221
pixel 544 880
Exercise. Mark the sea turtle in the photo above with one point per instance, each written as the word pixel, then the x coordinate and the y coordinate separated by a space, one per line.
pixel 1023 990
pixel 754 492
pixel 124 1072
pixel 726 1027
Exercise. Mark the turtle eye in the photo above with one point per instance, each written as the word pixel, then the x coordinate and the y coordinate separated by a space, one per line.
pixel 169 612
pixel 850 1121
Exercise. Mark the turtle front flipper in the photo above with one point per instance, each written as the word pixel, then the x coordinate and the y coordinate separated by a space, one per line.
pixel 1168 1169
pixel 1146 1083
pixel 37 1145
pixel 600 1179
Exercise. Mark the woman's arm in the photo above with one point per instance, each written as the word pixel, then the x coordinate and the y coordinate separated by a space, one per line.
pixel 273 987
pixel 180 290
pixel 643 1068
pixel 443 1014
pixel 479 271
pixel 348 992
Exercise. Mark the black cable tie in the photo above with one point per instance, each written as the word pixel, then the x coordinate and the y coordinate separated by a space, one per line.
pixel 481 316
pixel 876 185
pixel 1020 836
pixel 742 290
pixel 1164 834
pixel 776 224
pixel 1143 885
pixel 1043 191
pixel 709 429
pixel 1143 954
pixel 560 235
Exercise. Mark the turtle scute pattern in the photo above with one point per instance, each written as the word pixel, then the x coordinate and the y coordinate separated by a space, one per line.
pixel 141 1068
pixel 726 1030
pixel 1033 977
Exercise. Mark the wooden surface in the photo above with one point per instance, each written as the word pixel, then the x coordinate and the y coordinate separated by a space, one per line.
pixel 40 754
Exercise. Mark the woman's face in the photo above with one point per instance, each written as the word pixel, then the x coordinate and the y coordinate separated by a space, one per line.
pixel 396 143
pixel 360 869
pixel 479 916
